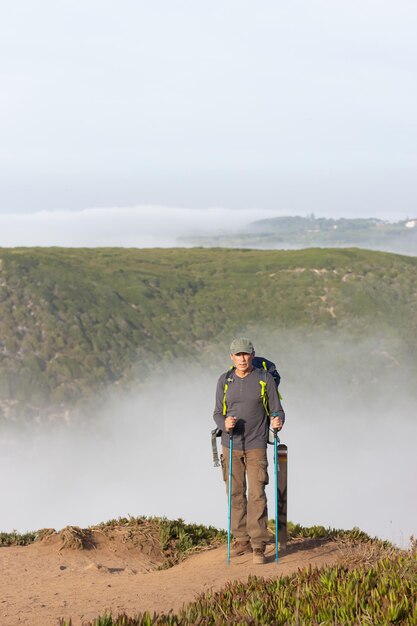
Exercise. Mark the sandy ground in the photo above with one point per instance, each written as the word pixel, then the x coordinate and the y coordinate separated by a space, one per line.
pixel 42 582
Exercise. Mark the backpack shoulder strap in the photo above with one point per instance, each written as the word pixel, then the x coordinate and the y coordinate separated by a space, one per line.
pixel 228 377
pixel 264 395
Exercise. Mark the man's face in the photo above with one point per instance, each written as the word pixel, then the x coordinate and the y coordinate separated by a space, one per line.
pixel 242 361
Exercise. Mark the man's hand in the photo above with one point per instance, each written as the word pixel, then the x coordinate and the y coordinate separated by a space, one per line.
pixel 230 423
pixel 276 423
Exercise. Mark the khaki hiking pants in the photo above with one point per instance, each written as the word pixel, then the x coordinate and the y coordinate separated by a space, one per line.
pixel 249 510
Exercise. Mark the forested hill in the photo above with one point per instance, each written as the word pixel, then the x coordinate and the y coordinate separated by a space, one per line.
pixel 73 321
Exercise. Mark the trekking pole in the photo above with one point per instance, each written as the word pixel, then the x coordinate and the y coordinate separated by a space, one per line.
pixel 229 508
pixel 276 491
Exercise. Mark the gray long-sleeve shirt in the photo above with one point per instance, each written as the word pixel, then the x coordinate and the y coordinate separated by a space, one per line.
pixel 244 401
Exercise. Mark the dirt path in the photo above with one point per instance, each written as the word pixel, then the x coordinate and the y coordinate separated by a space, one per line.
pixel 41 583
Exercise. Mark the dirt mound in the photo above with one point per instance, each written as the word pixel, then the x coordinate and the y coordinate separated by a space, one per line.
pixel 117 544
pixel 79 574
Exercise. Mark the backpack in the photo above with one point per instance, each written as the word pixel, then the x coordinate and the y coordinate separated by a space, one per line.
pixel 258 362
pixel 269 366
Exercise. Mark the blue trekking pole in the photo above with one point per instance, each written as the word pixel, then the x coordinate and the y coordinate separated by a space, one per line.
pixel 229 511
pixel 276 491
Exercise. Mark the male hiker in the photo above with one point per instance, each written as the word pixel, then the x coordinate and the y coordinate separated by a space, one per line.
pixel 241 407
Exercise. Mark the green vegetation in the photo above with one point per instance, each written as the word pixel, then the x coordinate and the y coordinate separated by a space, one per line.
pixel 307 232
pixel 74 321
pixel 181 537
pixel 17 539
pixel 296 531
pixel 177 539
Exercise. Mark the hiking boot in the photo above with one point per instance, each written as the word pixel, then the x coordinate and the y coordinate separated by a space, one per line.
pixel 259 556
pixel 241 547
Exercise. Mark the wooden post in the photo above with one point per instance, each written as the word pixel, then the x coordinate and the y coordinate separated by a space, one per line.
pixel 282 495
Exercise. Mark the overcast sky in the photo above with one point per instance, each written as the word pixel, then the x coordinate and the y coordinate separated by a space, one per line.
pixel 284 107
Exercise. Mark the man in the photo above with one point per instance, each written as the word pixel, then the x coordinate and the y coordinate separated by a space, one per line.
pixel 240 408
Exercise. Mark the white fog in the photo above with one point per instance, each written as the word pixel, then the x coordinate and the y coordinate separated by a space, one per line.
pixel 351 443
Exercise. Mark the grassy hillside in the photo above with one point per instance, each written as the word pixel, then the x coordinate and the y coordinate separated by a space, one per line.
pixel 75 320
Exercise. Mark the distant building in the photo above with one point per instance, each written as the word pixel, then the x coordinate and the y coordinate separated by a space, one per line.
pixel 411 224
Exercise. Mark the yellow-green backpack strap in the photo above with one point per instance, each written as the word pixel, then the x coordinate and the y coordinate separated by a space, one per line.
pixel 264 396
pixel 225 388
pixel 264 365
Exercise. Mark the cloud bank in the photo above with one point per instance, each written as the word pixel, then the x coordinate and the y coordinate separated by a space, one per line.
pixel 352 458
pixel 142 227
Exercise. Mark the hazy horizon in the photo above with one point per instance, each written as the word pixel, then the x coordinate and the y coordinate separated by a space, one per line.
pixel 138 227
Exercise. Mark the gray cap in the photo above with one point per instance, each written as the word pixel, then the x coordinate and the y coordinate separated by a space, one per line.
pixel 241 344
